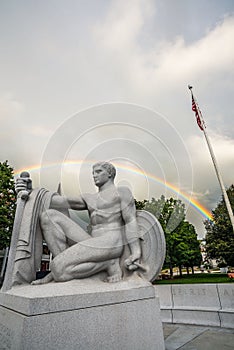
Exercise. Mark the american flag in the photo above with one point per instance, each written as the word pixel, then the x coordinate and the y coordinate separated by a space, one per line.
pixel 195 108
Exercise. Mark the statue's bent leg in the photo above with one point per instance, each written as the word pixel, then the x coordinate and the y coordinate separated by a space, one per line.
pixel 84 270
pixel 87 258
pixel 58 228
pixel 77 271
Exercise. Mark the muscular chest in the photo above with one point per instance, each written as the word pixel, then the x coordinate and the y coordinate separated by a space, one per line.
pixel 107 202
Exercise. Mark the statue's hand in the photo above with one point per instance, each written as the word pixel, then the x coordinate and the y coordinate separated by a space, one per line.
pixel 23 195
pixel 131 263
pixel 21 189
pixel 20 185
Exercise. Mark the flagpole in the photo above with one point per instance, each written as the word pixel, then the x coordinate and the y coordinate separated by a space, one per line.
pixel 203 128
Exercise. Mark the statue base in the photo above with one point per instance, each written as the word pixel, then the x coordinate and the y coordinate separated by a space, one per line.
pixel 81 314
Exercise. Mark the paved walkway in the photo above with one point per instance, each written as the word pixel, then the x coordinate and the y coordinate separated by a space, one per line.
pixel 189 337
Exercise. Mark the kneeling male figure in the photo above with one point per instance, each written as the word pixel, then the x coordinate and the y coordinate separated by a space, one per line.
pixel 77 254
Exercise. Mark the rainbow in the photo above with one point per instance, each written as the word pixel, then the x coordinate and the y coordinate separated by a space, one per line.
pixel 187 197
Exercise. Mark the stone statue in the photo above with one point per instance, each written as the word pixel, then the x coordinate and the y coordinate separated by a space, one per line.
pixel 110 209
pixel 122 240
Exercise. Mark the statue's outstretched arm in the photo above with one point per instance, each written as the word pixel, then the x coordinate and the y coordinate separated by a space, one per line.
pixel 62 202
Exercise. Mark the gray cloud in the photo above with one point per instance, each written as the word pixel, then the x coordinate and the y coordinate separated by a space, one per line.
pixel 60 58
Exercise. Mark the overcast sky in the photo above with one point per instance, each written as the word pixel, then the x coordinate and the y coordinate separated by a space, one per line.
pixel 84 80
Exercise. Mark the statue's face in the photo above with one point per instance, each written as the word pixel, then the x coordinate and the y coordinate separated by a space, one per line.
pixel 100 175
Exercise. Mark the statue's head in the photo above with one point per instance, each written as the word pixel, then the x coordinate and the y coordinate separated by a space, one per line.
pixel 108 167
pixel 24 174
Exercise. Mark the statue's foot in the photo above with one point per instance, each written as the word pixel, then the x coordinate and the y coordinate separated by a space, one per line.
pixel 114 271
pixel 114 278
pixel 48 278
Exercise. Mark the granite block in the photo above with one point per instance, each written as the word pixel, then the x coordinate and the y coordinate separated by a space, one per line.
pixel 198 317
pixel 196 296
pixel 165 295
pixel 166 315
pixel 75 294
pixel 123 316
pixel 226 294
pixel 227 319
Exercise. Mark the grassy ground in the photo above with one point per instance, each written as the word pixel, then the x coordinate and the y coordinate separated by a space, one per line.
pixel 197 278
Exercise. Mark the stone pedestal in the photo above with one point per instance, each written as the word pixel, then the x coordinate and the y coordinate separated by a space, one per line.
pixel 87 314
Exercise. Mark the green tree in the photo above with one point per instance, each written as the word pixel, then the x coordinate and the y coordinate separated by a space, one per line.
pixel 219 232
pixel 182 246
pixel 187 251
pixel 140 204
pixel 7 203
pixel 170 213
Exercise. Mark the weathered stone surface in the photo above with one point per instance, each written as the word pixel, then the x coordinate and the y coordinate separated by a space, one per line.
pixel 121 316
pixel 195 296
pixel 26 242
pixel 165 295
pixel 227 319
pixel 166 315
pixel 198 317
pixel 226 295
pixel 201 304
pixel 77 294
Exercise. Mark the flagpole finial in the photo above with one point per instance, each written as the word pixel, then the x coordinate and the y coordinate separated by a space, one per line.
pixel 190 87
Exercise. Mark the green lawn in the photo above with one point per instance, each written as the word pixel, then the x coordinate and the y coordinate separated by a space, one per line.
pixel 197 278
